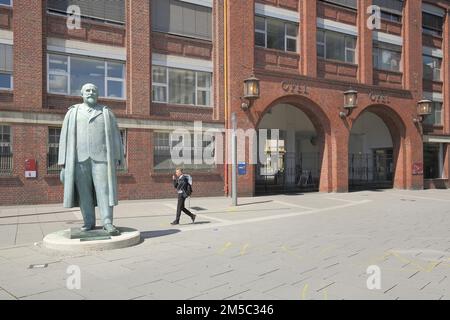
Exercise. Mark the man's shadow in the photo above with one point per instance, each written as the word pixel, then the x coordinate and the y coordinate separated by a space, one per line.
pixel 162 233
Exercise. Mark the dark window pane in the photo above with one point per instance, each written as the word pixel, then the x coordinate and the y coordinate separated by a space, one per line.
pixel 275 34
pixel 181 86
pixel 5 81
pixel 99 9
pixel 260 39
pixel 182 18
pixel 431 156
pixel 115 89
pixel 291 45
pixel 84 71
pixel 335 46
pixel 260 23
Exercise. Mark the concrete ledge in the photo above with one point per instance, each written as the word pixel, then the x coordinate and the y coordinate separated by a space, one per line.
pixel 60 241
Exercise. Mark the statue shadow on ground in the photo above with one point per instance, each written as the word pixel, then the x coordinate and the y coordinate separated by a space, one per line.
pixel 162 233
pixel 158 233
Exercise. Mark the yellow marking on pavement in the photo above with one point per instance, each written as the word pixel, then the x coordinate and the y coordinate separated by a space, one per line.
pixel 225 247
pixel 232 209
pixel 325 294
pixel 244 249
pixel 305 289
pixel 405 260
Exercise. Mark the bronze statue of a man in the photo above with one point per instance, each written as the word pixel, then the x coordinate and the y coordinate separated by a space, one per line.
pixel 89 148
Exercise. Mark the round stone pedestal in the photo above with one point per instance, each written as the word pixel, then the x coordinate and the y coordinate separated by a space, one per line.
pixel 61 240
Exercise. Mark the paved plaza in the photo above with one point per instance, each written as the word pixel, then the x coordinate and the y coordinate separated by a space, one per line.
pixel 297 247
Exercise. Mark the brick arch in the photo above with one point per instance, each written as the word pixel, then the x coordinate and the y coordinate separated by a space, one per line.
pixel 322 125
pixel 397 129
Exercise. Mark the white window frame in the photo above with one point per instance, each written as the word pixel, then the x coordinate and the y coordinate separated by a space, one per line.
pixel 68 74
pixel 10 73
pixel 201 89
pixel 286 36
pixel 167 87
pixel 161 85
pixel 378 49
pixel 434 69
pixel 264 32
pixel 10 143
pixel 346 49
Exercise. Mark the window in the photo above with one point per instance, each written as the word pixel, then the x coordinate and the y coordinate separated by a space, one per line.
pixel 435 118
pixel 336 46
pixel 6 66
pixel 5 150
pixel 104 10
pixel 182 18
pixel 387 56
pixel 432 68
pixel 432 158
pixel 6 2
pixel 67 74
pixel 162 159
pixel 53 150
pixel 344 3
pixel 275 34
pixel 391 10
pixel 432 24
pixel 391 16
pixel 122 167
pixel 179 86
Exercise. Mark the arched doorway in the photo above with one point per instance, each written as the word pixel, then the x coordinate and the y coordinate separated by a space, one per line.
pixel 374 145
pixel 291 159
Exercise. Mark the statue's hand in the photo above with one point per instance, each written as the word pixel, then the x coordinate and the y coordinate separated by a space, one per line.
pixel 61 175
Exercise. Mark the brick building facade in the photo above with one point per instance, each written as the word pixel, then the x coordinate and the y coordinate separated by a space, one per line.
pixel 162 65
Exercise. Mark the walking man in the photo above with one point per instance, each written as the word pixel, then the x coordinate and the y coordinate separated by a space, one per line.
pixel 181 183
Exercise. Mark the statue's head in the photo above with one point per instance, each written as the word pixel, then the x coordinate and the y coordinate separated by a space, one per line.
pixel 90 94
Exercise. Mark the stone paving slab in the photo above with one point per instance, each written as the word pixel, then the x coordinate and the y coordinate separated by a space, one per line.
pixel 244 253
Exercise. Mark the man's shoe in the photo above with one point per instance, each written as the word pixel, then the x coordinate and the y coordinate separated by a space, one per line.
pixel 113 231
pixel 193 218
pixel 85 228
pixel 174 222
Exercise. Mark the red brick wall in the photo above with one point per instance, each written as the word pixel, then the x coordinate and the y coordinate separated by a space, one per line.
pixel 285 4
pixel 277 60
pixel 387 79
pixel 90 31
pixel 336 70
pixel 176 45
pixel 336 13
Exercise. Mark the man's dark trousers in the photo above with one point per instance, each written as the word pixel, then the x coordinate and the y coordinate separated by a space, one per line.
pixel 181 207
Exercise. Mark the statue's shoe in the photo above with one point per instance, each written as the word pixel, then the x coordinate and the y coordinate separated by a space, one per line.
pixel 85 228
pixel 113 231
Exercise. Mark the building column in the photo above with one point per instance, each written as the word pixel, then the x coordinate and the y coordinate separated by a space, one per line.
pixel 30 59
pixel 139 56
pixel 365 44
pixel 412 48
pixel 446 74
pixel 241 62
pixel 308 38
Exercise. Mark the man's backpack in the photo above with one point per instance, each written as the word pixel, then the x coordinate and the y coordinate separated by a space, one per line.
pixel 189 185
